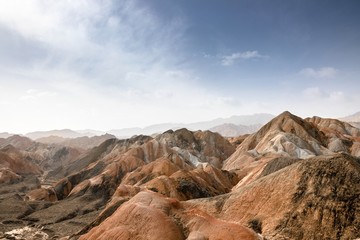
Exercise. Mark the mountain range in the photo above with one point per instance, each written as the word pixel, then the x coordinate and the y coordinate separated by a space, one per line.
pixel 227 127
pixel 239 125
pixel 293 178
pixel 242 122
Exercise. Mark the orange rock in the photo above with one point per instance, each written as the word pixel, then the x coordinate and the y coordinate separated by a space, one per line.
pixel 145 216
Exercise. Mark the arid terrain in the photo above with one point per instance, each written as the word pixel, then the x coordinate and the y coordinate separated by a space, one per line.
pixel 294 178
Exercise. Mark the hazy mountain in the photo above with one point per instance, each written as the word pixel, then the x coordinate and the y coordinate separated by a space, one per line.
pixel 232 130
pixel 17 141
pixel 246 124
pixel 351 118
pixel 246 120
pixel 90 132
pixel 79 142
pixel 6 135
pixel 64 133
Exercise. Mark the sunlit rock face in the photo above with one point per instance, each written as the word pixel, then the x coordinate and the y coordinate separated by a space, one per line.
pixel 149 215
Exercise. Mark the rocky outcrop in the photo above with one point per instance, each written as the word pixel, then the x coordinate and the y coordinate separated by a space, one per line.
pixel 47 157
pixel 17 141
pixel 315 198
pixel 42 194
pixel 342 137
pixel 149 215
pixel 13 160
pixel 198 147
pixel 286 135
pixel 105 167
pixel 28 233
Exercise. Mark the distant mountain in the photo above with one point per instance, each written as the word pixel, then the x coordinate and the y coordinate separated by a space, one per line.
pixel 90 132
pixel 64 133
pixel 245 124
pixel 351 118
pixel 245 120
pixel 80 142
pixel 232 130
pixel 5 135
pixel 17 141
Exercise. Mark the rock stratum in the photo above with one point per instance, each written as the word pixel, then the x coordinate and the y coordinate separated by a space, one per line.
pixel 292 179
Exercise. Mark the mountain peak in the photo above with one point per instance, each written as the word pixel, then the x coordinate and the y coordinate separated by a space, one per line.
pixel 286 115
pixel 286 122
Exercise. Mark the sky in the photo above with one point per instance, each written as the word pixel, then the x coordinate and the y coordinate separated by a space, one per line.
pixel 111 64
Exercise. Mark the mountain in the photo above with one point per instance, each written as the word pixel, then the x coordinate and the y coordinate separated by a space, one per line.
pixel 351 118
pixel 245 124
pixel 47 157
pixel 232 130
pixel 13 164
pixel 281 197
pixel 90 132
pixel 245 120
pixel 316 198
pixel 79 142
pixel 6 135
pixel 287 139
pixel 294 178
pixel 17 141
pixel 166 218
pixel 64 133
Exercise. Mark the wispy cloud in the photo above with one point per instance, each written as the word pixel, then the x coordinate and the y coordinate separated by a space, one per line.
pixel 230 59
pixel 93 55
pixel 32 94
pixel 98 58
pixel 325 72
pixel 315 93
pixel 99 40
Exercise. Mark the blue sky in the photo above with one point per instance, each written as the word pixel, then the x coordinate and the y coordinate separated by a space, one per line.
pixel 114 64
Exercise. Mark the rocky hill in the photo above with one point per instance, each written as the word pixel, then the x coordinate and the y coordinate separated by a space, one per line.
pixel 292 179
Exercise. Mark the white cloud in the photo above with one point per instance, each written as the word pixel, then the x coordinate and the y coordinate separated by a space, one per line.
pixel 32 94
pixel 227 101
pixel 108 64
pixel 313 93
pixel 102 40
pixel 325 72
pixel 164 94
pixel 230 59
pixel 116 57
pixel 337 96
